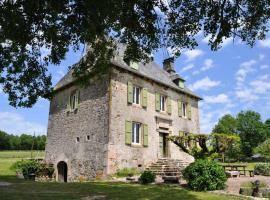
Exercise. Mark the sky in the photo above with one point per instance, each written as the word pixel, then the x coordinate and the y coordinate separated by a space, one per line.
pixel 232 79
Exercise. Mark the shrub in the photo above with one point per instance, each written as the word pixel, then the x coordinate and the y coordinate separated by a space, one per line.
pixel 125 172
pixel 262 169
pixel 27 167
pixel 147 177
pixel 205 175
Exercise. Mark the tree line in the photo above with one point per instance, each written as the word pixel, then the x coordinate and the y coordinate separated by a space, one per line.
pixel 22 142
pixel 253 132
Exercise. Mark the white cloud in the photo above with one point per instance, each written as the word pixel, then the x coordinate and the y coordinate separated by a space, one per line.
pixel 245 69
pixel 15 123
pixel 204 84
pixel 189 66
pixel 208 64
pixel 221 98
pixel 195 72
pixel 261 56
pixel 193 54
pixel 265 43
pixel 264 67
pixel 246 95
pixel 225 41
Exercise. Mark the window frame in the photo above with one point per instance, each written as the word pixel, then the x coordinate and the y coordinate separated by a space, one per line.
pixel 184 109
pixel 136 98
pixel 162 100
pixel 136 134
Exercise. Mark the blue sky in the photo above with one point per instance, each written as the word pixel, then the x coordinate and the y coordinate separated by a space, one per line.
pixel 231 79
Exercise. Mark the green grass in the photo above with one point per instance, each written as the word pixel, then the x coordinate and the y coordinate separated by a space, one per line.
pixel 249 184
pixel 125 172
pixel 24 190
pixel 21 154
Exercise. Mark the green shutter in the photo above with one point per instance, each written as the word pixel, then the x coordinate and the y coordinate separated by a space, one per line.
pixel 169 105
pixel 179 108
pixel 68 104
pixel 145 135
pixel 189 111
pixel 144 97
pixel 181 133
pixel 128 134
pixel 157 102
pixel 77 96
pixel 130 92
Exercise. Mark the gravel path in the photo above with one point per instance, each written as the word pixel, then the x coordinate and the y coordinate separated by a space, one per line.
pixel 235 183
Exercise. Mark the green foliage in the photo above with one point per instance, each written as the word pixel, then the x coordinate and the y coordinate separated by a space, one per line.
pixel 203 175
pixel 262 169
pixel 251 184
pixel 30 28
pixel 226 124
pixel 125 172
pixel 27 167
pixel 22 142
pixel 147 177
pixel 203 146
pixel 264 149
pixel 251 130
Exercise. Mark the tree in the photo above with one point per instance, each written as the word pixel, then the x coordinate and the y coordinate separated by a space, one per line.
pixel 26 142
pixel 267 123
pixel 4 141
pixel 227 124
pixel 251 130
pixel 28 27
pixel 264 149
pixel 203 146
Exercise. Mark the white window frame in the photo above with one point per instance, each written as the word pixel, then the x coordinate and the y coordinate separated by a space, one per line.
pixel 136 133
pixel 184 109
pixel 136 95
pixel 163 103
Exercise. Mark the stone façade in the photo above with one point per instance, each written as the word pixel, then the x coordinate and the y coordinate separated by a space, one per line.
pixel 99 123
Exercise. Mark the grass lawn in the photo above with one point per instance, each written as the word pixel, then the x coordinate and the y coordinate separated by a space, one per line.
pixel 24 190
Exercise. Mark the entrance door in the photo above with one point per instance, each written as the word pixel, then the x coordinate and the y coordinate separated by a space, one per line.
pixel 163 145
pixel 62 171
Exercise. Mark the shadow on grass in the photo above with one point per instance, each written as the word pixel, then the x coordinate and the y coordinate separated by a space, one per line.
pixel 21 189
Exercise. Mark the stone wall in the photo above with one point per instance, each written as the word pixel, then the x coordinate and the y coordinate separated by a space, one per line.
pixel 121 155
pixel 86 157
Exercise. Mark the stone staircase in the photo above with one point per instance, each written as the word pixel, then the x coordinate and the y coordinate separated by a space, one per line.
pixel 169 169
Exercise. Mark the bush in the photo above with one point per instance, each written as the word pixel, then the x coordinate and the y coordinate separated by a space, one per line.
pixel 147 177
pixel 127 172
pixel 203 175
pixel 27 167
pixel 262 169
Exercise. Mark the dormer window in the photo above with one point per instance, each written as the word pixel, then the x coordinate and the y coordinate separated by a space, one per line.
pixel 181 84
pixel 134 65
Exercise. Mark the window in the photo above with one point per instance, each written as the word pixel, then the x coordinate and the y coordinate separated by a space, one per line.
pixel 136 95
pixel 77 139
pixel 162 103
pixel 184 109
pixel 73 101
pixel 88 137
pixel 136 132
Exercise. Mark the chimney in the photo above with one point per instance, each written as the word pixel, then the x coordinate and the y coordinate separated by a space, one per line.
pixel 168 65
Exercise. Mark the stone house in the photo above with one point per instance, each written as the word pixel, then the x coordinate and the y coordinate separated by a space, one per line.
pixel 121 120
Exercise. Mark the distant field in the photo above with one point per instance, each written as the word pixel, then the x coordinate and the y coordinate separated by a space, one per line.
pixel 21 154
pixel 7 158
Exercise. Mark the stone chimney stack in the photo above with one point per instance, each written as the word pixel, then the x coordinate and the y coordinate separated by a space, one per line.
pixel 168 65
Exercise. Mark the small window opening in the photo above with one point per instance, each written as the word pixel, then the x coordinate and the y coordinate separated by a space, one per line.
pixel 77 139
pixel 88 137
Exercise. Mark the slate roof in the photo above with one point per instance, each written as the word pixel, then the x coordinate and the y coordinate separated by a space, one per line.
pixel 150 70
